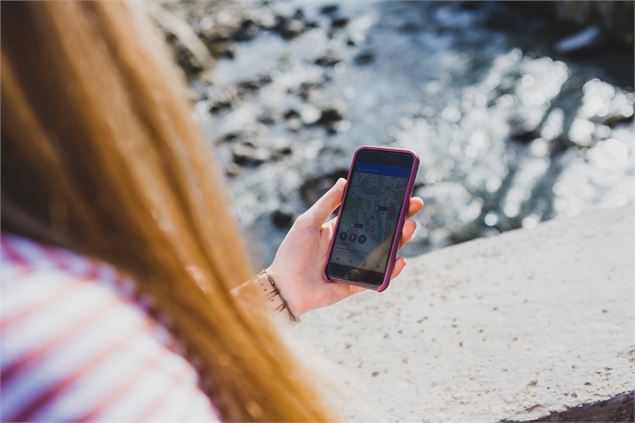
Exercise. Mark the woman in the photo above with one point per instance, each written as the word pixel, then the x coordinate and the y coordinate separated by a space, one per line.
pixel 119 254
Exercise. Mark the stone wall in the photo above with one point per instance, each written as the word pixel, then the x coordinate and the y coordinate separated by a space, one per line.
pixel 513 327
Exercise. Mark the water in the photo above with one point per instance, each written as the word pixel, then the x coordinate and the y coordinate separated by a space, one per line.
pixel 508 133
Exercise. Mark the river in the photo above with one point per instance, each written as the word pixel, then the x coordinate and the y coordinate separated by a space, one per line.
pixel 511 131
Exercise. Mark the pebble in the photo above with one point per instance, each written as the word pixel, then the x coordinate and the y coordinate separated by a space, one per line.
pixel 328 59
pixel 294 124
pixel 268 117
pixel 232 169
pixel 246 31
pixel 247 155
pixel 283 217
pixel 309 114
pixel 306 89
pixel 230 137
pixel 253 84
pixel 339 22
pixel 330 115
pixel 329 9
pixel 291 113
pixel 365 57
pixel 289 28
pixel 220 106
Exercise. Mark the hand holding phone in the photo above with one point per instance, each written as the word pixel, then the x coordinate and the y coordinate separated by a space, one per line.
pixel 298 267
pixel 364 247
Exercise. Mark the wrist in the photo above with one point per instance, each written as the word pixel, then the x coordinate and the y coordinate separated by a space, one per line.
pixel 274 297
pixel 287 291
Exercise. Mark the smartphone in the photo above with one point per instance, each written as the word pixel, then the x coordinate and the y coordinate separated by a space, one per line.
pixel 369 223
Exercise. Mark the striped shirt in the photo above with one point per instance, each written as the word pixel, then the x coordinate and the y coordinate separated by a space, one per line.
pixel 77 342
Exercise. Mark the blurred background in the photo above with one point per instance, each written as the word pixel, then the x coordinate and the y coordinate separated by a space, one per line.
pixel 520 111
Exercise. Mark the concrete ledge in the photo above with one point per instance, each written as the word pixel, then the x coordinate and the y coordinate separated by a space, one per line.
pixel 507 328
pixel 620 408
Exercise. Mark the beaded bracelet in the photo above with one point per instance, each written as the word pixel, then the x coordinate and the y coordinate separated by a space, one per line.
pixel 273 294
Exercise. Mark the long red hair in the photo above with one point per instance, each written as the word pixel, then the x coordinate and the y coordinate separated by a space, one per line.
pixel 100 155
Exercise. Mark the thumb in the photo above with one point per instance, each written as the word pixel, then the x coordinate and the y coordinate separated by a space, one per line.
pixel 326 205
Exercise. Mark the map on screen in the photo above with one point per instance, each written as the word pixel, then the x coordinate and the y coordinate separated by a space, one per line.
pixel 369 218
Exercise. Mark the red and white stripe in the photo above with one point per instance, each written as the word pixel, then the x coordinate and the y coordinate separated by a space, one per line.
pixel 77 342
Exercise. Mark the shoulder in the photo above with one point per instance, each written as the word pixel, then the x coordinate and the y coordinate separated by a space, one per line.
pixel 78 342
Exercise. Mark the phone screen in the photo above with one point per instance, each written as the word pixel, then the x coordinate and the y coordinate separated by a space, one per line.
pixel 369 217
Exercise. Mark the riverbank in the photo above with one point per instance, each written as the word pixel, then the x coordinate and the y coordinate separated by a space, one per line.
pixel 517 119
pixel 510 327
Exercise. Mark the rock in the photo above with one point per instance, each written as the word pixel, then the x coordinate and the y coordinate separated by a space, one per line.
pixel 289 28
pixel 189 50
pixel 613 120
pixel 253 84
pixel 619 408
pixel 328 59
pixel 284 151
pixel 268 117
pixel 330 115
pixel 313 188
pixel 222 50
pixel 231 137
pixel 249 155
pixel 306 89
pixel 220 105
pixel 232 169
pixel 246 31
pixel 280 147
pixel 311 24
pixel 291 114
pixel 559 144
pixel 294 124
pixel 523 136
pixel 365 57
pixel 298 14
pixel 522 129
pixel 335 127
pixel 184 57
pixel 331 129
pixel 329 9
pixel 283 217
pixel 309 115
pixel 339 22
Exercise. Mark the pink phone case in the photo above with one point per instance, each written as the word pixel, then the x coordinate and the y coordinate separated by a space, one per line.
pixel 402 218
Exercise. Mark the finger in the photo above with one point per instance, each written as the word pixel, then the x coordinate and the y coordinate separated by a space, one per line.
pixel 415 206
pixel 400 263
pixel 409 228
pixel 326 205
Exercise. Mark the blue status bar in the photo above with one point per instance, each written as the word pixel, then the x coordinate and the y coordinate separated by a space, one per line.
pixel 402 172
